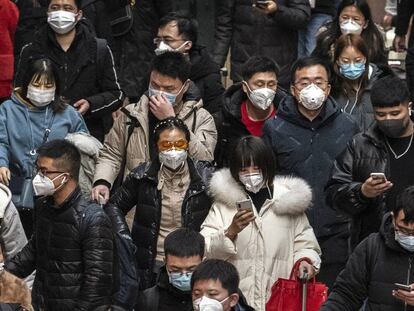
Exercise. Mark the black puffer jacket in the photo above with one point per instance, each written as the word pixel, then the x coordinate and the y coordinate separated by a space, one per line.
pixel 72 252
pixel 140 189
pixel 249 32
pixel 82 74
pixel 325 7
pixel 229 124
pixel 366 153
pixel 205 73
pixel 369 277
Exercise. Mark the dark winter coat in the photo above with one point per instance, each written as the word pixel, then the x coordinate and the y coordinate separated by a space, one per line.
pixel 248 32
pixel 72 252
pixel 137 46
pixel 405 11
pixel 82 74
pixel 140 189
pixel 325 7
pixel 205 73
pixel 8 23
pixel 369 276
pixel 229 122
pixel 308 150
pixel 409 66
pixel 366 153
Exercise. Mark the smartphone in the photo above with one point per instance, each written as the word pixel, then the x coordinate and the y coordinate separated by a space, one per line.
pixel 407 288
pixel 245 204
pixel 377 176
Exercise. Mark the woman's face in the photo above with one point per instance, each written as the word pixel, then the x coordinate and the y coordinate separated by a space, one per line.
pixel 351 55
pixel 172 139
pixel 352 12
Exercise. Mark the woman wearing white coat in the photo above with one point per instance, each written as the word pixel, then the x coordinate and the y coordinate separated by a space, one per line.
pixel 263 242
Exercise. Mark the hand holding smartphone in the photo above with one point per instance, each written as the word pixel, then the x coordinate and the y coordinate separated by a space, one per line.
pixel 245 205
pixel 378 176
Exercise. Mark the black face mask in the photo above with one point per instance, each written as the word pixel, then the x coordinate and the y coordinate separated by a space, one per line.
pixel 393 128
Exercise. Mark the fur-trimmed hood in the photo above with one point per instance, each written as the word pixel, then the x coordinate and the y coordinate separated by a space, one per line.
pixel 291 195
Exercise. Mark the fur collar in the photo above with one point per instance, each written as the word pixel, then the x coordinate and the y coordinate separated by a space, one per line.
pixel 291 195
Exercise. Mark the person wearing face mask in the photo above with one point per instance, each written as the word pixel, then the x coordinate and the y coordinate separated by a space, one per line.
pixel 169 192
pixel 353 17
pixel 353 78
pixel 184 251
pixel 34 114
pixel 72 246
pixel 178 32
pixel 309 132
pixel 170 94
pixel 247 106
pixel 386 147
pixel 378 263
pixel 84 64
pixel 269 230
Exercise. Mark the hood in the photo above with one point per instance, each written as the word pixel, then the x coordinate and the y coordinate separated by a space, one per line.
pixel 288 110
pixel 375 73
pixel 388 234
pixel 201 63
pixel 291 195
pixel 5 198
pixel 85 143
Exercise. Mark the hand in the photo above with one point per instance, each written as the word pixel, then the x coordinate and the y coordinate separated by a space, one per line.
pixel 240 221
pixel 372 188
pixel 82 106
pixel 100 190
pixel 387 21
pixel 399 44
pixel 269 8
pixel 4 175
pixel 308 268
pixel 405 296
pixel 161 107
pixel 116 114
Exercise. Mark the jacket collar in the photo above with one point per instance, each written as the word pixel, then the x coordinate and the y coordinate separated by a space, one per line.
pixel 291 195
pixel 70 201
pixel 374 134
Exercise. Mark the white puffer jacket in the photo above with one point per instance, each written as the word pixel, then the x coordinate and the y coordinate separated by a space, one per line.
pixel 268 248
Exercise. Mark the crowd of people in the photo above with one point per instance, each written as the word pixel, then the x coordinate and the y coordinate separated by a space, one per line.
pixel 132 177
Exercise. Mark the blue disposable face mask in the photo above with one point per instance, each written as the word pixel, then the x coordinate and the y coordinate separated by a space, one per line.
pixel 181 281
pixel 352 71
pixel 172 98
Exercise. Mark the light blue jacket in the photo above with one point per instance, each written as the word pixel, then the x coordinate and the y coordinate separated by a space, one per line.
pixel 22 130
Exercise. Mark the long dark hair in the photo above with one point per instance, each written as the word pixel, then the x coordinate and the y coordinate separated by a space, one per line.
pixel 370 34
pixel 43 68
pixel 340 83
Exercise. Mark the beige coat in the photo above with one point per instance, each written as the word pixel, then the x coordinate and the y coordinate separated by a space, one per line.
pixel 202 143
pixel 266 249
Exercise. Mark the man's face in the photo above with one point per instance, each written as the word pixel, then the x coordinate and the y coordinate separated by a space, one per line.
pixel 167 84
pixel 176 264
pixel 261 80
pixel 47 167
pixel 65 5
pixel 214 290
pixel 401 226
pixel 402 111
pixel 170 35
pixel 306 76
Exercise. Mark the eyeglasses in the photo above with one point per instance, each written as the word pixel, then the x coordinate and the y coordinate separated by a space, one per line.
pixel 166 145
pixel 301 84
pixel 404 231
pixel 158 40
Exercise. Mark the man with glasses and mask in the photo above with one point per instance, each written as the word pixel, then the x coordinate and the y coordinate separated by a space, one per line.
pixel 72 247
pixel 379 274
pixel 130 141
pixel 307 134
pixel 184 251
pixel 247 106
pixel 378 163
pixel 85 65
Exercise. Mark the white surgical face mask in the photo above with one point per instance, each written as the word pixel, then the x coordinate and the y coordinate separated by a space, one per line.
pixel 61 21
pixel 261 98
pixel 164 47
pixel 173 158
pixel 312 97
pixel 40 97
pixel 350 26
pixel 253 182
pixel 43 185
pixel 207 304
pixel 406 241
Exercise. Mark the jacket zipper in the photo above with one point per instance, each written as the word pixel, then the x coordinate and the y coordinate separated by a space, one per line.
pixel 408 278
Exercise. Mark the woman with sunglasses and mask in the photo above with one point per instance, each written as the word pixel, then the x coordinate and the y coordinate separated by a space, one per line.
pixel 170 192
pixel 34 114
pixel 353 78
pixel 258 222
pixel 353 17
